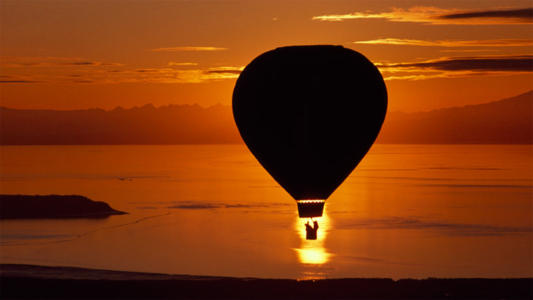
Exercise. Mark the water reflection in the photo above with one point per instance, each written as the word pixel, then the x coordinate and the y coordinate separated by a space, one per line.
pixel 472 219
pixel 313 251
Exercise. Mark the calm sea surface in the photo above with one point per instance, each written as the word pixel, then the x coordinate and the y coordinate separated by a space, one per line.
pixel 407 211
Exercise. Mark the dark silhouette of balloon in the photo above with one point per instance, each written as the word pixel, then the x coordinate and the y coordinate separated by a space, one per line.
pixel 309 114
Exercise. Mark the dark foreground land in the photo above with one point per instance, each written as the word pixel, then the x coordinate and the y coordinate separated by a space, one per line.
pixel 37 282
pixel 53 207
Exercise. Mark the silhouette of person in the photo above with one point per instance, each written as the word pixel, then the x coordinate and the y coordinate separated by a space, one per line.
pixel 308 227
pixel 311 231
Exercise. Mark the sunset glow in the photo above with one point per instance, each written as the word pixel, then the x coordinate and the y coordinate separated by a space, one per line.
pixel 184 52
pixel 314 252
pixel 263 139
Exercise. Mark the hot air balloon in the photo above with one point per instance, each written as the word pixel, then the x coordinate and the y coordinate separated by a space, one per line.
pixel 309 114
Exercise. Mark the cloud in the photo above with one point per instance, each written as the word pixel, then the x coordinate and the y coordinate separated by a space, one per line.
pixel 437 226
pixel 223 73
pixel 38 59
pixel 225 70
pixel 446 67
pixel 505 63
pixel 348 17
pixel 26 62
pixel 76 70
pixel 88 63
pixel 150 70
pixel 524 15
pixel 441 16
pixel 183 76
pixel 182 64
pixel 19 81
pixel 175 49
pixel 451 43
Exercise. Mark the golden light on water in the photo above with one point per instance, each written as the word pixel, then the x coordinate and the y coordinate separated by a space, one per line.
pixel 387 219
pixel 313 252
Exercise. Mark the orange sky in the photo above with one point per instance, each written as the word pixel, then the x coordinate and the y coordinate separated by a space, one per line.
pixel 83 54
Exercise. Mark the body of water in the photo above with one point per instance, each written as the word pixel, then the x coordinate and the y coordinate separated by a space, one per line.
pixel 407 211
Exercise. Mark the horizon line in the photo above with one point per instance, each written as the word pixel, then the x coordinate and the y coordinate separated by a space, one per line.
pixel 218 104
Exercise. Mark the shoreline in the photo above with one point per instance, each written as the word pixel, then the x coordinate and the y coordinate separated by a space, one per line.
pixel 28 207
pixel 20 281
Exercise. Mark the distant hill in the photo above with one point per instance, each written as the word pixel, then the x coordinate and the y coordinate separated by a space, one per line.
pixel 172 124
pixel 508 121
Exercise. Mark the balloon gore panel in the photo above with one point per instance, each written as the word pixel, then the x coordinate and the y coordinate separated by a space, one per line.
pixel 309 114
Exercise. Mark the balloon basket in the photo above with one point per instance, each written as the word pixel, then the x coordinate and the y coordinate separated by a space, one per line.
pixel 310 208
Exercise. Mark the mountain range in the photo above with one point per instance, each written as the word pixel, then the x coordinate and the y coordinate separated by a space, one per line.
pixel 508 121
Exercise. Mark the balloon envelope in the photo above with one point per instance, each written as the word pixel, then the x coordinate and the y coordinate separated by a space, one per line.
pixel 309 114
